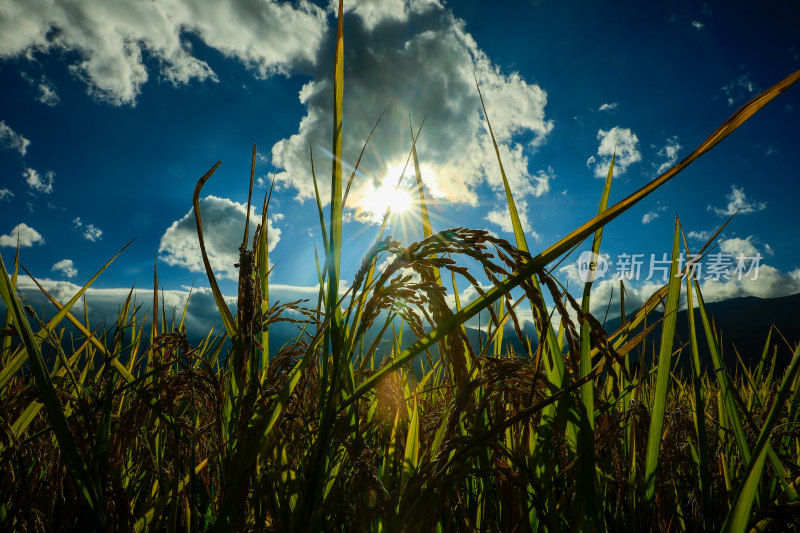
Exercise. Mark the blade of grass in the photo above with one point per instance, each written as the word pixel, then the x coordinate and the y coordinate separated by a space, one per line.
pixel 77 467
pixel 737 518
pixel 586 463
pixel 222 307
pixel 699 411
pixel 657 411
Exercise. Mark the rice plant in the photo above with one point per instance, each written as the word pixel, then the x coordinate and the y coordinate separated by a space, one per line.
pixel 137 429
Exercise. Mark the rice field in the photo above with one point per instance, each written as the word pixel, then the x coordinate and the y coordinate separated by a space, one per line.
pixel 134 428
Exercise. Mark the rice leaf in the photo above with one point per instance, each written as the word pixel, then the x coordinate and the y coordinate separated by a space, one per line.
pixel 77 467
pixel 658 408
pixel 737 518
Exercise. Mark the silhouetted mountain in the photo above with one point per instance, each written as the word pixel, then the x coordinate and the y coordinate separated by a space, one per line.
pixel 742 323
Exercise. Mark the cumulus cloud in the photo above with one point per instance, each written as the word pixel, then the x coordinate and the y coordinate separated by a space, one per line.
pixel 736 246
pixel 741 88
pixel 755 278
pixel 223 229
pixel 109 41
pixel 627 149
pixel 738 201
pixel 41 183
pixel 66 267
pixel 669 154
pixel 27 237
pixel 416 58
pixel 12 140
pixel 5 194
pixel 90 232
pixel 375 12
pixel 608 107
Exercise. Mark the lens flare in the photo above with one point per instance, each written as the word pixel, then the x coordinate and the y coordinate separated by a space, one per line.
pixel 388 195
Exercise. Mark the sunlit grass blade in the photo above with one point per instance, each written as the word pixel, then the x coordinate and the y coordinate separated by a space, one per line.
pixel 261 429
pixel 89 490
pixel 5 345
pixel 699 412
pixel 222 307
pixel 737 518
pixel 411 457
pixel 358 161
pixel 262 262
pixel 721 375
pixel 586 485
pixel 658 408
pixel 554 364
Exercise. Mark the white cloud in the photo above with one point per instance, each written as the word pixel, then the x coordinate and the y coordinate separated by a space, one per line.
pixel 609 107
pixel 66 267
pixel 769 282
pixel 738 201
pixel 741 88
pixel 109 40
pixel 736 246
pixel 223 229
pixel 649 217
pixel 420 62
pixel 668 152
pixel 47 93
pixel 26 234
pixel 375 12
pixel 5 194
pixel 12 140
pixel 627 148
pixel 38 182
pixel 703 235
pixel 696 24
pixel 90 232
pixel 653 213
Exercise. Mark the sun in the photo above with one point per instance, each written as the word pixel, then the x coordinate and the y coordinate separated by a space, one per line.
pixel 388 195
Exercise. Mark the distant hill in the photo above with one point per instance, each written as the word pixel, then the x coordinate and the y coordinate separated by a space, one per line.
pixel 743 322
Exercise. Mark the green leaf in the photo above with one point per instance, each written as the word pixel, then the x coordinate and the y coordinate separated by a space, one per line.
pixel 658 408
pixel 739 514
pixel 77 467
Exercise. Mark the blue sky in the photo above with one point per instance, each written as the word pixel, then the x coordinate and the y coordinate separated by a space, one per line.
pixel 111 112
